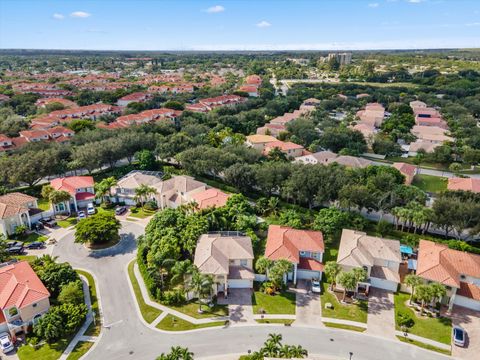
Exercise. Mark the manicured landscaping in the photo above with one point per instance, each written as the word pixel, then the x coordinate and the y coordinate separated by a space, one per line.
pixel 191 308
pixel 66 223
pixel 425 346
pixel 173 323
pixel 79 350
pixel 45 352
pixel 429 183
pixel 103 245
pixel 32 237
pixel 140 213
pixel 354 312
pixel 93 330
pixel 43 204
pixel 149 313
pixel 29 258
pixel 283 303
pixel 438 329
pixel 275 321
pixel 344 326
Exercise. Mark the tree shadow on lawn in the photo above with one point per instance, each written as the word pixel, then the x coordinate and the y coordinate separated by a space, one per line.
pixel 126 245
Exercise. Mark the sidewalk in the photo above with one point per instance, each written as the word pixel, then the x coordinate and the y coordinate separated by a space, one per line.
pixel 425 340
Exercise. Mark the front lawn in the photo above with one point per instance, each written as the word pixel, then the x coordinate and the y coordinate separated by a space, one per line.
pixel 79 350
pixel 66 223
pixel 32 237
pixel 43 204
pixel 283 303
pixel 354 312
pixel 191 308
pixel 438 329
pixel 93 330
pixel 149 313
pixel 45 352
pixel 429 183
pixel 140 213
pixel 423 345
pixel 345 327
pixel 173 323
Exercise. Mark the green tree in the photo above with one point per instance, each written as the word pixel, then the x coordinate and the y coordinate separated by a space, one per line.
pixel 424 294
pixel 143 193
pixel 50 327
pixel 332 269
pixel 71 293
pixel 201 285
pixel 177 353
pixel 99 228
pixel 413 281
pixel 103 189
pixel 438 291
pixel 347 281
pixel 263 264
pixel 146 160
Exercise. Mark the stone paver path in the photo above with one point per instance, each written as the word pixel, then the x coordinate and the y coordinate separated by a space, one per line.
pixel 381 313
pixel 240 307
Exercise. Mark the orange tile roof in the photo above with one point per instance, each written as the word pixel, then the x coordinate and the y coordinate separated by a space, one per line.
pixel 469 290
pixel 466 184
pixel 211 198
pixel 437 262
pixel 20 286
pixel 405 169
pixel 71 183
pixel 285 242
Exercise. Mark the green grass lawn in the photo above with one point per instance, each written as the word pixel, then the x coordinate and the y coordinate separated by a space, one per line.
pixel 67 222
pixel 149 313
pixel 93 330
pixel 429 183
pixel 345 326
pixel 29 258
pixel 43 204
pixel 438 329
pixel 275 321
pixel 140 213
pixel 33 237
pixel 191 308
pixel 173 323
pixel 79 350
pixel 45 352
pixel 353 312
pixel 283 303
pixel 425 346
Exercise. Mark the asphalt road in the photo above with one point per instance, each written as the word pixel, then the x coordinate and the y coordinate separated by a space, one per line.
pixel 125 336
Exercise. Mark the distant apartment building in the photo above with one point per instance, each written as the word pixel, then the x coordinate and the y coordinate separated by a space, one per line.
pixel 342 58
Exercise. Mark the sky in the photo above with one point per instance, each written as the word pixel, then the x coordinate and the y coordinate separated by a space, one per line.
pixel 239 25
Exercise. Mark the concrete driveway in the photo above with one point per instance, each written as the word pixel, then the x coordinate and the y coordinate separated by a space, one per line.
pixel 308 308
pixel 470 321
pixel 239 303
pixel 381 313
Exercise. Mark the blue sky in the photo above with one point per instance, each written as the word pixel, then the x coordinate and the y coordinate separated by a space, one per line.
pixel 239 25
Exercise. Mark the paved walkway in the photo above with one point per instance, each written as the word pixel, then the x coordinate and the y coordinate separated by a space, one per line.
pixel 240 309
pixel 381 313
pixel 424 340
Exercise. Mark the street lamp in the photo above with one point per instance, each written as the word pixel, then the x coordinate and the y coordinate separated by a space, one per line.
pixel 351 354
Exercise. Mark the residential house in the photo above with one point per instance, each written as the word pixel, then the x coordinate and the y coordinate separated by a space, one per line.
pixel 414 147
pixel 321 157
pixel 433 134
pixel 368 131
pixel 303 248
pixel 206 105
pixel 352 161
pixel 81 189
pixel 407 170
pixel 177 191
pixel 258 142
pixel 271 129
pixel 210 198
pixel 379 257
pixel 16 209
pixel 290 149
pixel 228 257
pixel 459 271
pixel 251 90
pixel 124 191
pixel 133 97
pixel 23 297
pixel 253 80
pixel 42 103
pixel 372 115
pixel 4 98
pixel 465 184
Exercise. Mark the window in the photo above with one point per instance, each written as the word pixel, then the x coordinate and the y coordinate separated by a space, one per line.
pixel 462 277
pixel 12 311
pixel 243 262
pixel 34 305
pixel 303 253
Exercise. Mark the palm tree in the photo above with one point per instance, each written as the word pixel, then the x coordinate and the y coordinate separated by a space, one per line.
pixel 177 353
pixel 273 205
pixel 180 270
pixel 438 291
pixel 332 269
pixel 424 293
pixel 57 197
pixel 348 281
pixel 143 192
pixel 104 188
pixel 298 352
pixel 270 349
pixel 360 275
pixel 201 285
pixel 412 281
pixel 263 264
pixel 275 338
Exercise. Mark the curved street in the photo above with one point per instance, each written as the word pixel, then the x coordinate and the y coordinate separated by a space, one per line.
pixel 124 335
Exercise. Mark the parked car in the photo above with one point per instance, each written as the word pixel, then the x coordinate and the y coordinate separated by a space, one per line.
pixel 81 215
pixel 48 222
pixel 13 243
pixel 15 250
pixel 35 245
pixel 90 209
pixel 6 342
pixel 316 287
pixel 38 226
pixel 459 335
pixel 120 210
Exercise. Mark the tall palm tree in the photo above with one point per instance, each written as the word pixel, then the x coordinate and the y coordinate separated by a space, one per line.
pixel 201 285
pixel 179 270
pixel 273 205
pixel 438 291
pixel 143 192
pixel 348 281
pixel 424 293
pixel 263 264
pixel 57 197
pixel 412 281
pixel 298 352
pixel 104 188
pixel 332 269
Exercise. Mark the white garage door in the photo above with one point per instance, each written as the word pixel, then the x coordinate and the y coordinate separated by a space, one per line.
pixel 240 284
pixel 383 284
pixel 467 302
pixel 308 275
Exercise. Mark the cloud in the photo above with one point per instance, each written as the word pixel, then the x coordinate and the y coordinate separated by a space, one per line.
pixel 373 5
pixel 473 24
pixel 215 9
pixel 415 1
pixel 80 14
pixel 58 16
pixel 264 24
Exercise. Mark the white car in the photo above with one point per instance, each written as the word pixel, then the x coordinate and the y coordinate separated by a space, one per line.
pixel 90 209
pixel 459 336
pixel 81 215
pixel 6 342
pixel 316 287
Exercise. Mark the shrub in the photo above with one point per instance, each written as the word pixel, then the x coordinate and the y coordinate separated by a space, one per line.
pixel 404 319
pixel 71 293
pixel 384 227
pixel 151 205
pixel 173 297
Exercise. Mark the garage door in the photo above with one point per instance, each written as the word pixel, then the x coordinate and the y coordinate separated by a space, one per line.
pixel 240 284
pixel 308 275
pixel 467 302
pixel 383 284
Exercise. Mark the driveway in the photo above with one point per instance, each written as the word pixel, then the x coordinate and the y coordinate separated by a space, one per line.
pixel 381 313
pixel 470 321
pixel 308 308
pixel 239 303
pixel 127 338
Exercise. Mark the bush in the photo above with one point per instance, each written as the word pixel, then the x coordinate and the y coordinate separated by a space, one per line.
pixel 173 297
pixel 404 319
pixel 150 283
pixel 151 205
pixel 384 227
pixel 71 293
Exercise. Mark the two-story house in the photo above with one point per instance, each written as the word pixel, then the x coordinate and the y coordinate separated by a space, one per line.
pixel 457 270
pixel 124 190
pixel 379 257
pixel 177 191
pixel 81 189
pixel 303 248
pixel 16 209
pixel 23 297
pixel 228 257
